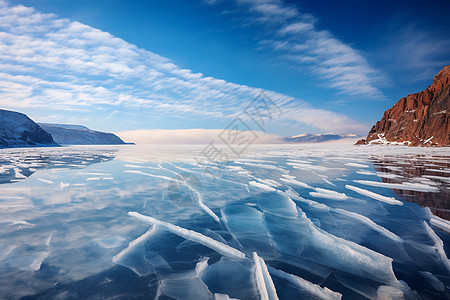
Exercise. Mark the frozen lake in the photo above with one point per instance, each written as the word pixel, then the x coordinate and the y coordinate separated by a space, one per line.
pixel 169 222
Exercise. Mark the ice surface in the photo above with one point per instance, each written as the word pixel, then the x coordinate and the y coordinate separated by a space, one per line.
pixel 349 256
pixel 433 280
pixel 355 247
pixel 185 286
pixel 133 244
pixel 201 266
pixel 148 174
pixel 440 178
pixel 370 223
pixel 389 200
pixel 200 202
pixel 438 246
pixel 247 226
pixel 314 289
pixel 191 235
pixel 438 222
pixel 264 283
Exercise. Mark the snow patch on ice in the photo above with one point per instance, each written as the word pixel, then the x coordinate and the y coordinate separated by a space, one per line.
pixel 63 185
pixel 45 180
pixel 18 174
pixel 356 165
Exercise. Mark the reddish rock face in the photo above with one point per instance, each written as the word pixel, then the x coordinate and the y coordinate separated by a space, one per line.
pixel 420 119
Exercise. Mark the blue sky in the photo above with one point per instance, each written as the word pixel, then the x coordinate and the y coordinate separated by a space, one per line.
pixel 332 66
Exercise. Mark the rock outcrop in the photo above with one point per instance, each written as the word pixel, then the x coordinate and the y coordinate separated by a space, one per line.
pixel 420 119
pixel 18 130
pixel 80 135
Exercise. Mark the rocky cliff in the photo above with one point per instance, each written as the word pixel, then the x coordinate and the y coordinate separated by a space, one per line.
pixel 80 135
pixel 420 119
pixel 17 130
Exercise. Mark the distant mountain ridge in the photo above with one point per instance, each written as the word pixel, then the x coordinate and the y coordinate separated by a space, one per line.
pixel 420 119
pixel 80 135
pixel 317 138
pixel 18 130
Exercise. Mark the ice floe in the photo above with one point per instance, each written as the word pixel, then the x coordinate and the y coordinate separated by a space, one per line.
pixel 356 165
pixel 389 200
pixel 313 289
pixel 438 222
pixel 191 235
pixel 264 283
pixel 438 246
pixel 133 244
pixel 409 186
pixel 292 180
pixel 328 194
pixel 262 186
pixel 370 223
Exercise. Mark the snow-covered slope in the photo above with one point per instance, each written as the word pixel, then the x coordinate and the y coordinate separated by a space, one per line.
pixel 17 130
pixel 67 126
pixel 80 135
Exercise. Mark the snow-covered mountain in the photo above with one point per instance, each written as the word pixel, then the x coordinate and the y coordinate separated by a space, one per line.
pixel 18 130
pixel 79 135
pixel 317 138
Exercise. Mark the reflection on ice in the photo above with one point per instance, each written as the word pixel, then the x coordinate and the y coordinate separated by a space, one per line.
pixel 281 222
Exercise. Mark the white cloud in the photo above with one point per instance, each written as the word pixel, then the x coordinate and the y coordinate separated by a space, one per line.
pixel 186 136
pixel 297 28
pixel 58 64
pixel 300 41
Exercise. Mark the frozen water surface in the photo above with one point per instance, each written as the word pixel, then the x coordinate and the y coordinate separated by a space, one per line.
pixel 279 222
